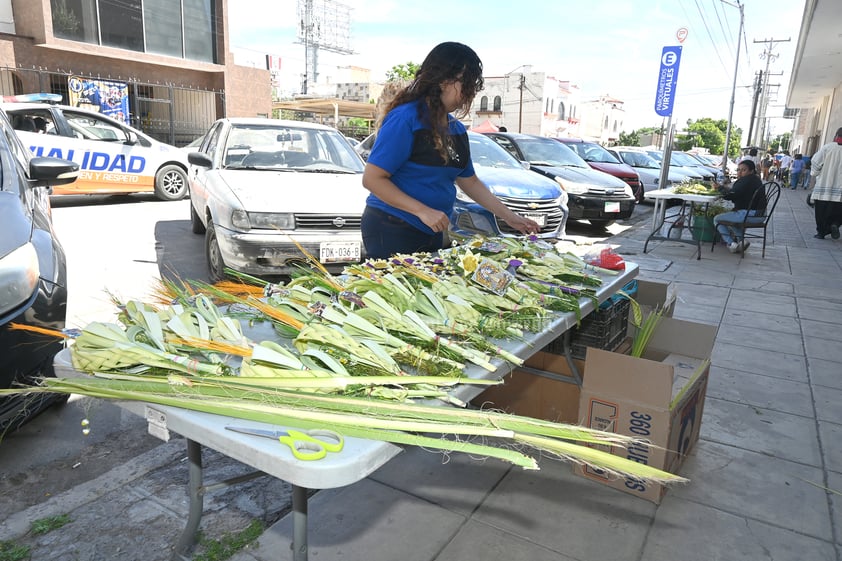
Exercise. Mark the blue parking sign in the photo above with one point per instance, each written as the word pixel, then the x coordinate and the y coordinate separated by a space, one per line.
pixel 667 80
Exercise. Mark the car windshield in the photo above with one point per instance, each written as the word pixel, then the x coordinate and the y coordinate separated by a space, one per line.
pixel 591 152
pixel 639 160
pixel 683 159
pixel 487 153
pixel 277 146
pixel 549 152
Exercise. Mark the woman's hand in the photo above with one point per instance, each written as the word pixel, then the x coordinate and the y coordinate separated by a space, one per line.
pixel 522 224
pixel 436 220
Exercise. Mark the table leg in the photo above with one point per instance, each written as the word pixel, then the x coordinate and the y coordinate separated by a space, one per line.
pixel 659 216
pixel 196 496
pixel 299 523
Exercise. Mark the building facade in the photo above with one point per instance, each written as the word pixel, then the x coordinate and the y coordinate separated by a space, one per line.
pixel 815 88
pixel 172 54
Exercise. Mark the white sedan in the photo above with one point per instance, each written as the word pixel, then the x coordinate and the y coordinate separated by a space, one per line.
pixel 263 191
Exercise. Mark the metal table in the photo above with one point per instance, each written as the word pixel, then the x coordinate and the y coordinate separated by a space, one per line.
pixel 357 460
pixel 675 223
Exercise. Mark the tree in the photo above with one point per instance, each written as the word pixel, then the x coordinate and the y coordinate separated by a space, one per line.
pixel 630 139
pixel 402 72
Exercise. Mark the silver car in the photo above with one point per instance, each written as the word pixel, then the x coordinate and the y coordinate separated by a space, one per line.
pixel 648 168
pixel 264 191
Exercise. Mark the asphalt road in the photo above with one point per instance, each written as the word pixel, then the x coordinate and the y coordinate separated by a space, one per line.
pixel 117 246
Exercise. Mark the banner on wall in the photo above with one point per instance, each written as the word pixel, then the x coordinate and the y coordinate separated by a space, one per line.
pixel 106 96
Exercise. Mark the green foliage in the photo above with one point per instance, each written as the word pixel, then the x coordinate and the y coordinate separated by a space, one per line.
pixel 402 72
pixel 229 544
pixel 630 139
pixel 10 551
pixel 781 142
pixel 44 525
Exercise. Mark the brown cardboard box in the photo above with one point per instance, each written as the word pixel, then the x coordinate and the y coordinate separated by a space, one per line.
pixel 653 294
pixel 659 397
pixel 544 389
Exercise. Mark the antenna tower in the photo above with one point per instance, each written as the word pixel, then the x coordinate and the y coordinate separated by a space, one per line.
pixel 322 24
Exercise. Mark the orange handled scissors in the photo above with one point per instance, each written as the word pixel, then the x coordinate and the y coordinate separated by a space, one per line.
pixel 305 444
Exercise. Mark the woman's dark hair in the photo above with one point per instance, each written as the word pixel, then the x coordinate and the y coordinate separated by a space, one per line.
pixel 447 62
pixel 749 164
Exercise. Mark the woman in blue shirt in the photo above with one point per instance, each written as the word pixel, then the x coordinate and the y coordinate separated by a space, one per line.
pixel 420 151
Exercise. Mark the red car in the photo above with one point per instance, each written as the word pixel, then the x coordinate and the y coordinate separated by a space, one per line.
pixel 601 159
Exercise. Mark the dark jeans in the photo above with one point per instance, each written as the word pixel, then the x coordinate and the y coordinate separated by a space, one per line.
pixel 384 235
pixel 827 213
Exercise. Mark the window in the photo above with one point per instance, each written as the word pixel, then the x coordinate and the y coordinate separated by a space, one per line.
pixel 483 103
pixel 561 111
pixel 498 103
pixel 179 28
pixel 162 19
pixel 91 127
pixel 605 125
pixel 615 126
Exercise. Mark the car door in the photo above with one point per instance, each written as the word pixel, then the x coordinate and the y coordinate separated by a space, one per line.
pixel 198 176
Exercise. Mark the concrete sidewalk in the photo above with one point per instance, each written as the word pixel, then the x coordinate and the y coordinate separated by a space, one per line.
pixel 762 476
pixel 765 477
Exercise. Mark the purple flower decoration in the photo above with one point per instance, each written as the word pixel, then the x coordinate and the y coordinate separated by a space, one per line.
pixel 533 238
pixel 438 261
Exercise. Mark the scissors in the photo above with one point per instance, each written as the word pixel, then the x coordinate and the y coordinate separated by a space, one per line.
pixel 305 444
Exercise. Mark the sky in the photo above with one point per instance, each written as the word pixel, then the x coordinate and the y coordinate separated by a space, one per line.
pixel 608 47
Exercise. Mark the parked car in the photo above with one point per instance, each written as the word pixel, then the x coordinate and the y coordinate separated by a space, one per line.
pixel 647 168
pixel 259 186
pixel 709 172
pixel 33 274
pixel 691 164
pixel 526 193
pixel 593 195
pixel 689 174
pixel 603 160
pixel 364 147
pixel 114 157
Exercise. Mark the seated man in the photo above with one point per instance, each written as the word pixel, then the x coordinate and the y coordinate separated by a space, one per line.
pixel 741 194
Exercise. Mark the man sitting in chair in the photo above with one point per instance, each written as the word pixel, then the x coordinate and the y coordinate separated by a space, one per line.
pixel 741 194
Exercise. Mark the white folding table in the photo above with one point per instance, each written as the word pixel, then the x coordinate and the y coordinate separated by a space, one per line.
pixel 359 457
pixel 676 222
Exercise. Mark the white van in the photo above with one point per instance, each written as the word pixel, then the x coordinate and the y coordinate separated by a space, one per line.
pixel 113 157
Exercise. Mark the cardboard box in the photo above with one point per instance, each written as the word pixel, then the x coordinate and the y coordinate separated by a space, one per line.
pixel 659 397
pixel 543 389
pixel 652 294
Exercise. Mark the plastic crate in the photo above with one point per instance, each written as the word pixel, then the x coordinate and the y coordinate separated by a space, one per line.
pixel 605 328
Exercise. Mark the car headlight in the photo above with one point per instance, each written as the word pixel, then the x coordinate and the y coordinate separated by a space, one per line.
pixel 628 191
pixel 262 220
pixel 19 273
pixel 572 187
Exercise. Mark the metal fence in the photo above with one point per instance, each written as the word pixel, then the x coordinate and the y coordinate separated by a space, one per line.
pixel 172 114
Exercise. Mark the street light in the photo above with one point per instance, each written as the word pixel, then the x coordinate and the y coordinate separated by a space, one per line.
pixel 733 88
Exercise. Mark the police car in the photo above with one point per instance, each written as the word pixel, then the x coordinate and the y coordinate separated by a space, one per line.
pixel 113 157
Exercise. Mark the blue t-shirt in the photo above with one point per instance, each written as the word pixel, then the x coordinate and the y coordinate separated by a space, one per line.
pixel 404 148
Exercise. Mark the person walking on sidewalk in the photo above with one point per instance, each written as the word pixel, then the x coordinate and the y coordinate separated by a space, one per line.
pixel 826 166
pixel 795 171
pixel 741 194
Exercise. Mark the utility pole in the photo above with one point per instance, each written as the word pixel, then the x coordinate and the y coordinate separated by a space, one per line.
pixel 520 107
pixel 769 56
pixel 757 90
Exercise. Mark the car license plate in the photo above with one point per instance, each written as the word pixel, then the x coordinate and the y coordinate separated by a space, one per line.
pixel 541 219
pixel 612 206
pixel 339 252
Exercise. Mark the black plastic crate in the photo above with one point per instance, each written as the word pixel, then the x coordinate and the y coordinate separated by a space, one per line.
pixel 605 328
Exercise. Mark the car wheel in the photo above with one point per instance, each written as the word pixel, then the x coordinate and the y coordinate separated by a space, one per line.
pixel 195 222
pixel 601 223
pixel 170 183
pixel 216 266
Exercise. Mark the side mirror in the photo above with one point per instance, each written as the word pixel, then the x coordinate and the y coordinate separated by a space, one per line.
pixel 46 172
pixel 525 165
pixel 199 159
pixel 132 138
